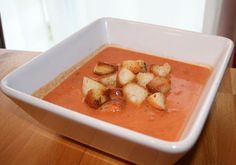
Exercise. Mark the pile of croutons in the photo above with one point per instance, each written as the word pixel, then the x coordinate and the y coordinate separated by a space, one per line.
pixel 128 82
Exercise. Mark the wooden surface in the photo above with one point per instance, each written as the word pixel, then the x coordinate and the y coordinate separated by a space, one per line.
pixel 24 141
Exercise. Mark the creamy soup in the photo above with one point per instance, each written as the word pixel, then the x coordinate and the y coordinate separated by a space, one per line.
pixel 187 83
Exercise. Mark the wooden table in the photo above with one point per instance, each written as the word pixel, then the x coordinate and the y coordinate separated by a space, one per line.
pixel 24 141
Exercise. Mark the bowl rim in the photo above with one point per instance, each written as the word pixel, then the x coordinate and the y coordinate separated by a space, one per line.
pixel 173 147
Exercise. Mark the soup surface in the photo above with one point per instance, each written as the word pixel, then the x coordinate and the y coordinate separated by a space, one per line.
pixel 187 83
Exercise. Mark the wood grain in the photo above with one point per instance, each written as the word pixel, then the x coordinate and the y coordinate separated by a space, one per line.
pixel 24 141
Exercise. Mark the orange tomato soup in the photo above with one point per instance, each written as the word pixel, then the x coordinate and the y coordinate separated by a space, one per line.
pixel 187 83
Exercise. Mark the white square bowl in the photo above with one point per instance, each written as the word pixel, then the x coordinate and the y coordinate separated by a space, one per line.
pixel 130 145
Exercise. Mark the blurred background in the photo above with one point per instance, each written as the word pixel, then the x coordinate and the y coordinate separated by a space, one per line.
pixel 39 24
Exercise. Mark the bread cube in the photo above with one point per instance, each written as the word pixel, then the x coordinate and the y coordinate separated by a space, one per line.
pixel 144 78
pixel 109 80
pixel 159 84
pixel 115 93
pixel 161 71
pixel 142 65
pixel 157 100
pixel 135 66
pixel 113 105
pixel 124 76
pixel 135 93
pixel 96 97
pixel 89 83
pixel 103 68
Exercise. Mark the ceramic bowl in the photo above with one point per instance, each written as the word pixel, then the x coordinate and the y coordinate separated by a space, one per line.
pixel 138 148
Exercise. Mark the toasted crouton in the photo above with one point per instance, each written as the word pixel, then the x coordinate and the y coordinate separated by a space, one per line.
pixel 115 93
pixel 157 100
pixel 159 84
pixel 142 65
pixel 96 97
pixel 161 71
pixel 109 80
pixel 104 68
pixel 114 105
pixel 116 102
pixel 135 66
pixel 124 76
pixel 135 93
pixel 144 78
pixel 89 83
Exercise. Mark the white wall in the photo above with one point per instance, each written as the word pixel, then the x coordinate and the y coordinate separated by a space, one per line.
pixel 23 25
pixel 39 24
pixel 184 14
